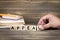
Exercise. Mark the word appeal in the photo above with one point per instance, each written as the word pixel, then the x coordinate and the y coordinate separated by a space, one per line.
pixel 26 27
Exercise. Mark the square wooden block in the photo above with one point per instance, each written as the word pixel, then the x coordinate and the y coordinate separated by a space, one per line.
pixel 13 28
pixel 33 28
pixel 22 27
pixel 39 27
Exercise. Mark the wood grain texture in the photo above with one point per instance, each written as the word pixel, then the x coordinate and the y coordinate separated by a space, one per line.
pixel 6 34
pixel 32 10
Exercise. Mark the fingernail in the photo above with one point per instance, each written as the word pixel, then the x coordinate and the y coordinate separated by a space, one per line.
pixel 40 27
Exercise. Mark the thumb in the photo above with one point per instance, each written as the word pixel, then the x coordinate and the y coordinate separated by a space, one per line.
pixel 46 26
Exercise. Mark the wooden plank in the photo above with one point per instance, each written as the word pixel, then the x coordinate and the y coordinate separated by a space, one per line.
pixel 6 34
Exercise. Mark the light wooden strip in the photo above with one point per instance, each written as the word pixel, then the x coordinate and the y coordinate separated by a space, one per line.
pixel 33 1
pixel 29 8
pixel 6 1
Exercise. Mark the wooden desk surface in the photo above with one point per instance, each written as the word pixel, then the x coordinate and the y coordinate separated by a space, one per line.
pixel 32 10
pixel 6 34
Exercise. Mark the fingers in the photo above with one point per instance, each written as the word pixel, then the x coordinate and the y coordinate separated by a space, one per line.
pixel 46 26
pixel 42 21
pixel 43 27
pixel 48 21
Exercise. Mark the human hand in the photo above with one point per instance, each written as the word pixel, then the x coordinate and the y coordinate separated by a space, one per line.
pixel 48 21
